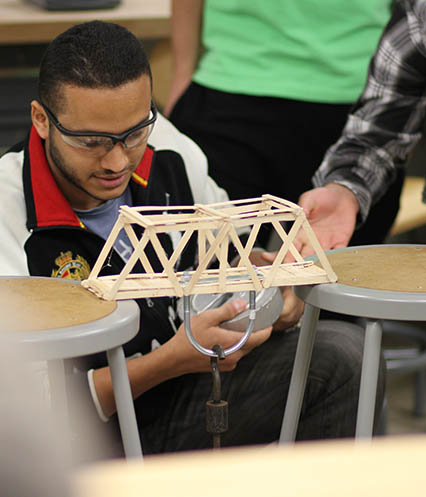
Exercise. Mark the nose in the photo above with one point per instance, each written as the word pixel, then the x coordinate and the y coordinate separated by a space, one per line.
pixel 116 159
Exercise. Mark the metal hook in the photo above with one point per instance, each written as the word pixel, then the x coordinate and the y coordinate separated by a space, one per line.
pixel 230 350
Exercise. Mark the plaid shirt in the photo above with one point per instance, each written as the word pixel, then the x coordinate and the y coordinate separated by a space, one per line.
pixel 387 121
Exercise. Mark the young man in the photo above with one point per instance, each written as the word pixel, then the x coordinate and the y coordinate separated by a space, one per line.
pixel 90 151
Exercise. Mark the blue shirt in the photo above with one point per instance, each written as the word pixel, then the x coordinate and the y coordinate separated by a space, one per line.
pixel 101 220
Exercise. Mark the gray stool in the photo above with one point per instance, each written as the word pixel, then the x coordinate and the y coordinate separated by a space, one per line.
pixel 404 350
pixel 52 319
pixel 401 269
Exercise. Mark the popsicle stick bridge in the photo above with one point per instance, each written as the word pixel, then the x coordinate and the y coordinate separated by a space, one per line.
pixel 216 226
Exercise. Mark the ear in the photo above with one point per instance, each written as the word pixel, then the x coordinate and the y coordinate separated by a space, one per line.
pixel 40 119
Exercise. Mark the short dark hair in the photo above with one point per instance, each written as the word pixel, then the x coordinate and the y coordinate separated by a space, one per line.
pixel 94 54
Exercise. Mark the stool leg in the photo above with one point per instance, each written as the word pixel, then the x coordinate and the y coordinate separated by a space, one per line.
pixel 299 374
pixel 59 401
pixel 124 402
pixel 59 404
pixel 369 376
pixel 58 396
pixel 419 406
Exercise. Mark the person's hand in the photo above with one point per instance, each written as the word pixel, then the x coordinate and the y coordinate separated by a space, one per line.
pixel 331 212
pixel 292 306
pixel 206 330
pixel 292 310
pixel 178 87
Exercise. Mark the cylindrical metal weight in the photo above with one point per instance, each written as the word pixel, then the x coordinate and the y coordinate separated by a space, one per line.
pixel 216 416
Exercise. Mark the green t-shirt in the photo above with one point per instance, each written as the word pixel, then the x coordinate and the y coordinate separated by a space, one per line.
pixel 311 50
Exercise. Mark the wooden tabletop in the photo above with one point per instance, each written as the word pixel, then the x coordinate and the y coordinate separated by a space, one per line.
pixel 389 467
pixel 412 211
pixel 24 22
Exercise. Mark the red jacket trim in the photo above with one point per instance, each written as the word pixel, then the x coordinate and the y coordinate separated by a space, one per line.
pixel 51 206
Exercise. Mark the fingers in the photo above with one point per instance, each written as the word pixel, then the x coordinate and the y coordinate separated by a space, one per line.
pixel 258 337
pixel 342 244
pixel 307 250
pixel 291 312
pixel 229 310
pixel 293 306
pixel 308 202
pixel 225 312
pixel 269 257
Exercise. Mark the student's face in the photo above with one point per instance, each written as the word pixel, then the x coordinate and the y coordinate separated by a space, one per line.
pixel 90 176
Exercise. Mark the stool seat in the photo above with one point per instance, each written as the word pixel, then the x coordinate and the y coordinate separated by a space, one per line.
pixel 374 282
pixel 365 302
pixel 59 319
pixel 52 319
pixel 39 303
pixel 378 281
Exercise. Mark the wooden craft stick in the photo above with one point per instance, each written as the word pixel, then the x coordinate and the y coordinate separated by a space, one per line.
pixel 211 238
pixel 223 264
pixel 283 235
pixel 168 268
pixel 246 261
pixel 99 264
pixel 282 202
pixel 134 241
pixel 129 264
pixel 133 216
pixel 282 252
pixel 203 263
pixel 319 251
pixel 217 226
pixel 251 240
pixel 212 212
pixel 181 245
pixel 201 244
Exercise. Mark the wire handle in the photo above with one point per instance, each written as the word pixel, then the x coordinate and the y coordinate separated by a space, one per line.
pixel 226 352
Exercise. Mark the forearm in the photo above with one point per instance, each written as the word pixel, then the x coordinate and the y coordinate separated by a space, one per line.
pixel 387 120
pixel 178 357
pixel 186 29
pixel 145 372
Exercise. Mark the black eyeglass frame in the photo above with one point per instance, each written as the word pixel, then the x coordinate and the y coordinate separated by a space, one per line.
pixel 115 138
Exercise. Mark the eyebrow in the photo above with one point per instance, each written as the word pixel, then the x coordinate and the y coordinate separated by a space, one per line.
pixel 146 118
pixel 95 133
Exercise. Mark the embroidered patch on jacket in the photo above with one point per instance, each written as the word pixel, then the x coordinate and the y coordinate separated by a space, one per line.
pixel 71 268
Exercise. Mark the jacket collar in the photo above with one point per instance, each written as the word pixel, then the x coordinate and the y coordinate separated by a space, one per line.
pixel 46 204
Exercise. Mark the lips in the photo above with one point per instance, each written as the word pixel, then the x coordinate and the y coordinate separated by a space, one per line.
pixel 111 181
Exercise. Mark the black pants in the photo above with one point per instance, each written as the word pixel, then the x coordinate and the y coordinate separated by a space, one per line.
pixel 257 391
pixel 171 416
pixel 258 145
